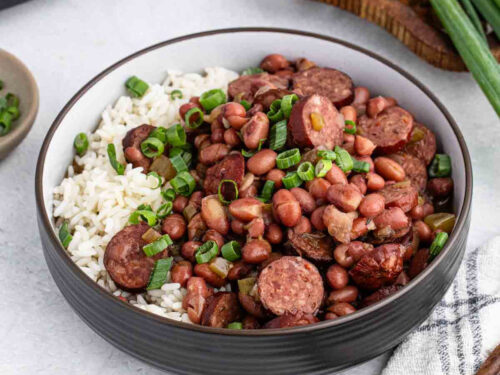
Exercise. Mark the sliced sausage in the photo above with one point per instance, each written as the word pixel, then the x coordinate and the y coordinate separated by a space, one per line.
pixel 301 129
pixel 380 267
pixel 132 146
pixel 414 168
pixel 334 84
pixel 246 86
pixel 418 263
pixel 125 260
pixel 291 285
pixel 317 246
pixel 391 224
pixel 266 96
pixel 422 144
pixel 402 195
pixel 291 320
pixel 390 130
pixel 232 167
pixel 222 308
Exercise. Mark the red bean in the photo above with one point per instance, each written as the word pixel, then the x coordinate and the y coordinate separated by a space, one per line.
pixel 374 182
pixel 417 212
pixel 303 64
pixel 440 187
pixel 330 316
pixel 359 182
pixel 189 249
pixel 262 162
pixel 393 217
pixel 202 139
pixel 306 200
pixel 303 226
pixel 274 62
pixel 336 176
pixel 234 114
pixel 174 225
pixel 372 205
pixel 423 230
pixel 239 270
pixel 359 227
pixel 203 270
pixel 349 113
pixel 317 218
pixel 389 169
pixel 256 228
pixel 255 129
pixel 217 136
pixel 256 251
pixel 364 146
pixel 231 137
pixel 345 197
pixel 345 294
pixel 286 207
pixel 276 175
pixel 361 95
pixel 245 209
pixel 179 204
pixel 185 108
pixel 428 209
pixel 214 214
pixel 181 272
pixel 378 104
pixel 213 153
pixel 213 235
pixel 318 188
pixel 341 308
pixel 274 234
pixel 337 276
pixel 238 227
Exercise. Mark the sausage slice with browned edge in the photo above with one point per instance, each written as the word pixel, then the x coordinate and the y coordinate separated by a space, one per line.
pixel 132 146
pixel 291 285
pixel 327 129
pixel 246 86
pixel 390 130
pixel 221 309
pixel 414 168
pixel 125 260
pixel 317 247
pixel 422 143
pixel 401 194
pixel 232 167
pixel 334 84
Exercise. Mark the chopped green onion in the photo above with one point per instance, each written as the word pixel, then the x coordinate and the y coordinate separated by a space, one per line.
pixel 287 103
pixel 322 167
pixel 176 94
pixel 1 84
pixel 152 147
pixel 248 153
pixel 352 128
pixel 3 103
pixel 164 210
pixel 136 87
pixel 438 243
pixel 306 171
pixel 12 100
pixel 81 143
pixel 64 236
pixel 231 251
pixel 291 180
pixel 206 252
pixel 220 191
pixel 278 135
pixel 174 151
pixel 146 207
pixel 440 166
pixel 212 98
pixel 275 113
pixel 187 158
pixel 250 71
pixel 168 194
pixel 14 111
pixel 157 246
pixel 267 190
pixel 160 273
pixel 343 159
pixel 179 163
pixel 118 167
pixel 183 184
pixel 158 177
pixel 176 135
pixel 288 158
pixel 327 154
pixel 196 123
pixel 235 325
pixel 246 104
pixel 5 122
pixel 159 133
pixel 360 166
pixel 145 215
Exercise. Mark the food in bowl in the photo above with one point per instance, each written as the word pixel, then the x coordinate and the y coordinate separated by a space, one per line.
pixel 299 199
pixel 9 111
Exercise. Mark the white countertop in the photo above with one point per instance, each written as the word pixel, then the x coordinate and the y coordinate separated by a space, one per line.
pixel 65 43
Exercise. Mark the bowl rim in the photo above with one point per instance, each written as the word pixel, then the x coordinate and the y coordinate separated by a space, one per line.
pixel 46 221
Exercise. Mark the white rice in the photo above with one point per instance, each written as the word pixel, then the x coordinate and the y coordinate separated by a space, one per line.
pixel 97 202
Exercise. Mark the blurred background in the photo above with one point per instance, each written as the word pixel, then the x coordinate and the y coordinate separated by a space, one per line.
pixel 67 42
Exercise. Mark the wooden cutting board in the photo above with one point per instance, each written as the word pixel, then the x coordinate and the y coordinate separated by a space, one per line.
pixel 418 31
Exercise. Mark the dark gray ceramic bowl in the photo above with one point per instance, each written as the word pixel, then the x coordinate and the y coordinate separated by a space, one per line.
pixel 191 349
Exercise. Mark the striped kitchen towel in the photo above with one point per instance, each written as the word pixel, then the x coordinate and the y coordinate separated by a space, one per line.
pixel 463 328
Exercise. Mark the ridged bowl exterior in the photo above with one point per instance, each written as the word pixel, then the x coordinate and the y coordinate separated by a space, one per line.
pixel 316 349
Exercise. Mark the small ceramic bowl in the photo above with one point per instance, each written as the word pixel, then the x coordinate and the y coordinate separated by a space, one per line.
pixel 18 80
pixel 193 349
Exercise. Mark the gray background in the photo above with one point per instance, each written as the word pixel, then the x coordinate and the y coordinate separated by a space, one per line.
pixel 65 43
